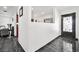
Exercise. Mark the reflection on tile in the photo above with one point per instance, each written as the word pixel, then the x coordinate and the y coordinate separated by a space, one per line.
pixel 67 47
pixel 60 44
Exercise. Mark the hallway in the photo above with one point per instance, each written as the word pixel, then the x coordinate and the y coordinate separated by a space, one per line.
pixel 32 27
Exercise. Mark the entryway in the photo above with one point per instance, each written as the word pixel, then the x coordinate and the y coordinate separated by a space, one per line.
pixel 68 25
pixel 68 31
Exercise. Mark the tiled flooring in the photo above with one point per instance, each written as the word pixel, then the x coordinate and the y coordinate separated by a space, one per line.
pixel 10 45
pixel 61 45
pixel 58 45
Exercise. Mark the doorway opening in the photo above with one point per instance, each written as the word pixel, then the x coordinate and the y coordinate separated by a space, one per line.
pixel 68 25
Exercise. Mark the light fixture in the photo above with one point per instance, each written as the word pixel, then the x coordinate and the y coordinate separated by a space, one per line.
pixel 32 8
pixel 42 13
pixel 5 8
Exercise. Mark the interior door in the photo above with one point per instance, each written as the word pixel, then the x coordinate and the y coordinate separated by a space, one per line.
pixel 68 25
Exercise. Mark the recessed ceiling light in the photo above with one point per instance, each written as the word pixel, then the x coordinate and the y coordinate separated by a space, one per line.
pixel 5 7
pixel 42 13
pixel 32 8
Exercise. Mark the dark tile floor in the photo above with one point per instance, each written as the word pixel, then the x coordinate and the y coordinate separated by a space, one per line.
pixel 10 45
pixel 61 44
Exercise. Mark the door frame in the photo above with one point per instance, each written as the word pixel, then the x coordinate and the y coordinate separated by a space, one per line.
pixel 74 23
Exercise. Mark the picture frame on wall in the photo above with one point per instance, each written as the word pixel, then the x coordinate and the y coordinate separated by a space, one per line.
pixel 21 11
pixel 16 18
pixel 49 20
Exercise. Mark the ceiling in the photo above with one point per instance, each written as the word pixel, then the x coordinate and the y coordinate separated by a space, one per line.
pixel 37 10
pixel 11 10
pixel 65 8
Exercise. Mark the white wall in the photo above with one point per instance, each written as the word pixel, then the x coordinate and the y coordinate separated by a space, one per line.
pixel 23 28
pixel 71 10
pixel 42 33
pixel 33 36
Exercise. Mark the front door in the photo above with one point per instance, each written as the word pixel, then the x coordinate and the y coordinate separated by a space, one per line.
pixel 68 25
